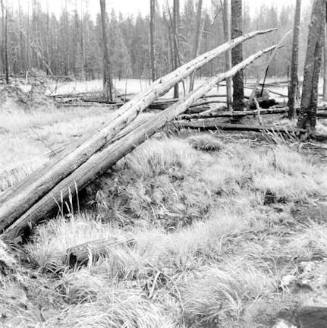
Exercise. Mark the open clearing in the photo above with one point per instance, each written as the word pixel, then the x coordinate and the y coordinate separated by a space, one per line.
pixel 227 230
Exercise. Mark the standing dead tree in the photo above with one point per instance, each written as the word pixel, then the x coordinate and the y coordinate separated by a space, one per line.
pixel 4 12
pixel 175 42
pixel 197 40
pixel 294 83
pixel 107 79
pixel 33 198
pixel 325 63
pixel 228 59
pixel 237 55
pixel 152 38
pixel 309 101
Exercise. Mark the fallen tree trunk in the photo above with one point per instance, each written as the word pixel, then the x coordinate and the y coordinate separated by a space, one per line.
pixel 93 250
pixel 213 124
pixel 226 114
pixel 24 195
pixel 101 161
pixel 234 114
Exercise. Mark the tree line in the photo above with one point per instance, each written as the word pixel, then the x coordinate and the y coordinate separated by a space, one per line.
pixel 71 44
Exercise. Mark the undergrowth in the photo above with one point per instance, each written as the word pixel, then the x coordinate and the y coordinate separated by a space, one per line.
pixel 213 235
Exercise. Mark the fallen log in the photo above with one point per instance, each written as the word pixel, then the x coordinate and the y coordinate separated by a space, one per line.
pixel 213 124
pixel 93 250
pixel 102 160
pixel 227 114
pixel 24 195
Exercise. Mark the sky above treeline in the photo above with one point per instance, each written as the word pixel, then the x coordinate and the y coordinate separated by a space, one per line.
pixel 135 7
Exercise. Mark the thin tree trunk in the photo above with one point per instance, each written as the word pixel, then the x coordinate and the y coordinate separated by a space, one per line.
pixel 108 156
pixel 15 202
pixel 292 92
pixel 197 39
pixel 325 65
pixel 107 80
pixel 228 59
pixel 237 55
pixel 2 37
pixel 152 38
pixel 175 41
pixel 6 47
pixel 309 101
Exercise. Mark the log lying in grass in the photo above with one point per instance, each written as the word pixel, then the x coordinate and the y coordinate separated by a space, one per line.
pixel 234 114
pixel 321 113
pixel 214 124
pixel 91 251
pixel 101 161
pixel 21 198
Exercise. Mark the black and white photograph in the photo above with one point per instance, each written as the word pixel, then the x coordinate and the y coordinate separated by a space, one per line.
pixel 163 163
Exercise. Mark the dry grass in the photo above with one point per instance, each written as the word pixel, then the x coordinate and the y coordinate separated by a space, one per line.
pixel 210 248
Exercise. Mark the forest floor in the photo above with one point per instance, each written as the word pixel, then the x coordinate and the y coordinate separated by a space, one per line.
pixel 229 230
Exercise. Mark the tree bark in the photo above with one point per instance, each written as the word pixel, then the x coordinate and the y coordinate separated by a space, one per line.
pixel 269 111
pixel 325 65
pixel 309 101
pixel 107 79
pixel 6 63
pixel 101 161
pixel 293 87
pixel 228 59
pixel 237 55
pixel 152 38
pixel 175 42
pixel 197 40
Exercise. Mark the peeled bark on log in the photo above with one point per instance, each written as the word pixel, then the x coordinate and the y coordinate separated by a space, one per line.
pixel 91 251
pixel 101 161
pixel 19 200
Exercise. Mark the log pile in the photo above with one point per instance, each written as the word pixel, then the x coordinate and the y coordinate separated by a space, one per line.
pixel 36 198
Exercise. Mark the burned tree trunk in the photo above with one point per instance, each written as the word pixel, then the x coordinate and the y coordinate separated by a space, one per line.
pixel 309 101
pixel 237 55
pixel 152 38
pixel 107 79
pixel 175 41
pixel 228 60
pixel 292 91
pixel 197 40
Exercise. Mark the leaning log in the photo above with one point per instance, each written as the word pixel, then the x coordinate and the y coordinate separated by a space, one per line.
pixel 24 195
pixel 101 161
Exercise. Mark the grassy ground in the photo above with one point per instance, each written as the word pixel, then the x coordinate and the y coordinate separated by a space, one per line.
pixel 221 225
